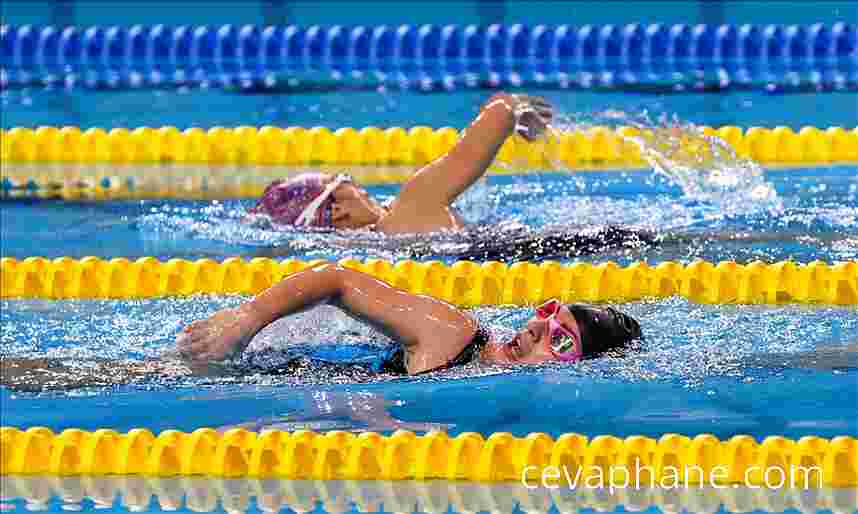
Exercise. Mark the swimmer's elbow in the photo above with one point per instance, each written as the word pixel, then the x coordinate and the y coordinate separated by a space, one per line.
pixel 340 282
pixel 332 277
pixel 318 283
pixel 327 267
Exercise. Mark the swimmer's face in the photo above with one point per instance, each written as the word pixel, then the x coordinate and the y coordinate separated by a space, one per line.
pixel 353 208
pixel 531 345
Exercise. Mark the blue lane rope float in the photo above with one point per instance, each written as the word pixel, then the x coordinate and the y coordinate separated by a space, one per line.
pixel 215 52
pixel 362 47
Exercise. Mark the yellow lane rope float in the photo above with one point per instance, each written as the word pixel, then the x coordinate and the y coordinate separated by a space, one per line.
pixel 209 494
pixel 500 457
pixel 464 283
pixel 68 163
pixel 393 146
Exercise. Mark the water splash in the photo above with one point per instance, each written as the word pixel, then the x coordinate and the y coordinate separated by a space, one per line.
pixel 704 167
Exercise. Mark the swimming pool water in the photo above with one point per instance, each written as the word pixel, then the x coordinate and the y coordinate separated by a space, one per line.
pixel 816 219
pixel 691 380
pixel 694 376
pixel 379 107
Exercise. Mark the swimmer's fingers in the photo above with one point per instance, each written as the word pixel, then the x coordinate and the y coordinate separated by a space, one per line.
pixel 209 349
pixel 530 125
pixel 201 348
pixel 189 334
pixel 193 327
pixel 194 340
pixel 546 114
pixel 198 362
pixel 543 109
pixel 222 334
pixel 538 104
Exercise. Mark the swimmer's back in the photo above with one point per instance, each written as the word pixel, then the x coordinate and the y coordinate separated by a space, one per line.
pixel 490 244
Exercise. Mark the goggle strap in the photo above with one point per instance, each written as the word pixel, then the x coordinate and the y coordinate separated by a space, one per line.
pixel 309 213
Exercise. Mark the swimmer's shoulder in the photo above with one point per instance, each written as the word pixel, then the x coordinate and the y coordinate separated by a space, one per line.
pixel 411 220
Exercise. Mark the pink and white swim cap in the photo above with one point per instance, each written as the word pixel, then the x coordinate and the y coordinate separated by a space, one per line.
pixel 304 200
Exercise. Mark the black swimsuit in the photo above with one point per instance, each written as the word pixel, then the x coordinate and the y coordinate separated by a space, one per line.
pixel 271 361
pixel 394 362
pixel 503 243
pixel 515 246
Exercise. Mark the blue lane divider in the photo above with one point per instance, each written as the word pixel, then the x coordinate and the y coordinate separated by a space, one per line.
pixel 230 48
pixel 431 57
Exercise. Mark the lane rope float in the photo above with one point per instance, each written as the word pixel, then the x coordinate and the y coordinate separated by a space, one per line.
pixel 450 48
pixel 68 163
pixel 396 145
pixel 466 284
pixel 649 57
pixel 500 457
pixel 208 494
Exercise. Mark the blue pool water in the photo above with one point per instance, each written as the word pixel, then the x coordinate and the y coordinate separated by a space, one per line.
pixel 814 218
pixel 701 371
pixel 389 107
pixel 691 379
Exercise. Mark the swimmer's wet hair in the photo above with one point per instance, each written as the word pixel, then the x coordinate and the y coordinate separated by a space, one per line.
pixel 606 330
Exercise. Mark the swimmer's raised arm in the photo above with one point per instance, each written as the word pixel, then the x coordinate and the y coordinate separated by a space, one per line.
pixel 409 318
pixel 445 178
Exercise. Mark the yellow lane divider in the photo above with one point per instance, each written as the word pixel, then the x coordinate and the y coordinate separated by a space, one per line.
pixel 463 283
pixel 396 145
pixel 500 457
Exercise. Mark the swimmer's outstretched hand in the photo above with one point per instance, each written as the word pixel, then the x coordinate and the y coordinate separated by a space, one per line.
pixel 223 334
pixel 533 114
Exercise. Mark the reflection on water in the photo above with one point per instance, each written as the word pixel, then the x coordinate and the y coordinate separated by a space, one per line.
pixel 203 494
pixel 353 411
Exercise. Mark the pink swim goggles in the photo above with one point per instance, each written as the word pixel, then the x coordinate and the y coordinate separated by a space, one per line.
pixel 564 345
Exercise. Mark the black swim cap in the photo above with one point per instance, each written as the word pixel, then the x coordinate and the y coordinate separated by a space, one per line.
pixel 604 328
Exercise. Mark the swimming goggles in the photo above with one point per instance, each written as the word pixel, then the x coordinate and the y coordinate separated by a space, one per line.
pixel 564 345
pixel 312 209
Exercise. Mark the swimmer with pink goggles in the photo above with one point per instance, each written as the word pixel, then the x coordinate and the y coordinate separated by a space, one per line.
pixel 563 343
